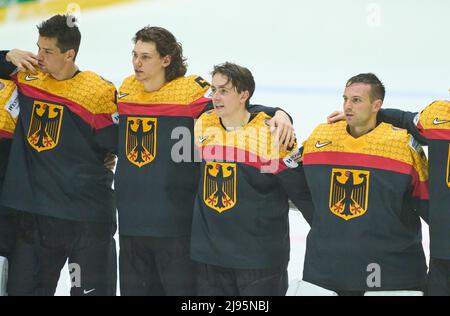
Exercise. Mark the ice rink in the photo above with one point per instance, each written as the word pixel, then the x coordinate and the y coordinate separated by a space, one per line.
pixel 300 52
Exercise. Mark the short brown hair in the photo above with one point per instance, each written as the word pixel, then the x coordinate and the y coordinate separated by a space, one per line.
pixel 377 90
pixel 166 45
pixel 67 35
pixel 240 77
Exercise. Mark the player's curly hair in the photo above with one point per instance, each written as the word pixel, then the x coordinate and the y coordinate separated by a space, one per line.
pixel 64 29
pixel 166 45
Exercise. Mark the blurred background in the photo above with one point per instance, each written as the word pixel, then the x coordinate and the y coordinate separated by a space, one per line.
pixel 301 52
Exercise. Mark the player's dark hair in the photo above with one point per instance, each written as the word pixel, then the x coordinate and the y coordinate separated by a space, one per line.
pixel 377 90
pixel 65 30
pixel 166 45
pixel 241 78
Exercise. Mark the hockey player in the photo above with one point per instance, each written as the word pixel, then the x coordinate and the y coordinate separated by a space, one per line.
pixel 369 186
pixel 8 218
pixel 58 180
pixel 240 232
pixel 156 178
pixel 432 128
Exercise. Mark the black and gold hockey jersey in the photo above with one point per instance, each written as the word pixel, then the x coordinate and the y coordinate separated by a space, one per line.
pixel 241 209
pixel 64 131
pixel 368 194
pixel 8 119
pixel 432 126
pixel 156 178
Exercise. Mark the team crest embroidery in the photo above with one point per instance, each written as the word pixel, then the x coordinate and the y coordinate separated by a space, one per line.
pixel 141 140
pixel 448 168
pixel 45 126
pixel 349 193
pixel 219 188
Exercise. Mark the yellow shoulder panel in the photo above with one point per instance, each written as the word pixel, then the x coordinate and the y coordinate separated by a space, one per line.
pixel 261 142
pixel 254 138
pixel 182 91
pixel 208 125
pixel 131 87
pixel 420 161
pixel 6 89
pixel 87 89
pixel 384 141
pixel 326 137
pixel 436 115
pixel 7 123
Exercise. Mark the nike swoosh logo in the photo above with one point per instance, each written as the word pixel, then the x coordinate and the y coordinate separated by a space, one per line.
pixel 87 292
pixel 202 139
pixel 319 145
pixel 439 122
pixel 122 95
pixel 30 78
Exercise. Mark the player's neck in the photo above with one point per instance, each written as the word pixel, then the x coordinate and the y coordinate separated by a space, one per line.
pixel 236 120
pixel 154 84
pixel 66 73
pixel 358 131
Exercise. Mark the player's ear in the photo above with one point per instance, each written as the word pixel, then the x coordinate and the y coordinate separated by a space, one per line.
pixel 167 60
pixel 70 54
pixel 245 96
pixel 377 105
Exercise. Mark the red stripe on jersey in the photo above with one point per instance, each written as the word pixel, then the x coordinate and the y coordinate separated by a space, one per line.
pixel 421 190
pixel 437 134
pixel 96 121
pixel 369 161
pixel 192 110
pixel 5 134
pixel 235 155
pixel 199 106
pixel 357 160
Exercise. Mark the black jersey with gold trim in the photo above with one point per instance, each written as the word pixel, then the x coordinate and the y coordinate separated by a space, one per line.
pixel 156 177
pixel 241 209
pixel 64 130
pixel 432 126
pixel 368 195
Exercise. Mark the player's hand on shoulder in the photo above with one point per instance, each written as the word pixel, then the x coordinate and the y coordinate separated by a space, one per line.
pixel 335 117
pixel 282 126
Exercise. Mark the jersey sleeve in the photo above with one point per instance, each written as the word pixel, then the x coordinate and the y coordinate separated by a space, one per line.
pixel 6 68
pixel 420 191
pixel 403 119
pixel 9 108
pixel 293 181
pixel 106 130
pixel 256 108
